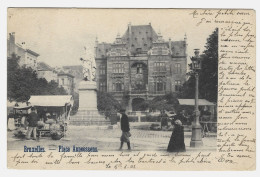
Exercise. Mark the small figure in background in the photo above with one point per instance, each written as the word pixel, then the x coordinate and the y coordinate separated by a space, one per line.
pixel 10 121
pixel 164 120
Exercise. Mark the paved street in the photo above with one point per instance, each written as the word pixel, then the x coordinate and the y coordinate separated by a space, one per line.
pixel 108 139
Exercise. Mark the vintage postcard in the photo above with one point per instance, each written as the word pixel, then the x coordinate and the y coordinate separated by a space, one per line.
pixel 131 89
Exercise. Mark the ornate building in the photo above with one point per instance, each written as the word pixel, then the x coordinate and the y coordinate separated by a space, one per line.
pixel 140 65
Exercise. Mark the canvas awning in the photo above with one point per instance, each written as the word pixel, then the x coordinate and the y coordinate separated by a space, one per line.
pixel 51 100
pixel 18 105
pixel 191 102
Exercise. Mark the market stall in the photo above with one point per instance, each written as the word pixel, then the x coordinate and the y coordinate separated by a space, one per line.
pixel 54 112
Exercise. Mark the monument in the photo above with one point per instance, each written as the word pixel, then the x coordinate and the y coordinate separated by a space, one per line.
pixel 88 113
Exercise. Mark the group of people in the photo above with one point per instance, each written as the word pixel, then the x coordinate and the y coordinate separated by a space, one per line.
pixel 176 143
pixel 29 121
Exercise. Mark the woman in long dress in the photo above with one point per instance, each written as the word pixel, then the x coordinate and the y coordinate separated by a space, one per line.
pixel 176 143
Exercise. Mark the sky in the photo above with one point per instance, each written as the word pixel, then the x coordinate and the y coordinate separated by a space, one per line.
pixel 59 35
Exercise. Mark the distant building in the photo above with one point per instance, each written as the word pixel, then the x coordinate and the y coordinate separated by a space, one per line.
pixel 77 72
pixel 47 72
pixel 28 58
pixel 140 64
pixel 66 80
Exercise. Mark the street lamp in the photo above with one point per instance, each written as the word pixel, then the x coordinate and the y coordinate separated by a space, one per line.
pixel 196 140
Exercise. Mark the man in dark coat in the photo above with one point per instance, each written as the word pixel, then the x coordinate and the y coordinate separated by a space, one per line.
pixel 33 119
pixel 124 122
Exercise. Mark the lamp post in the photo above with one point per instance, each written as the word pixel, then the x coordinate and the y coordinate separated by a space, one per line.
pixel 196 140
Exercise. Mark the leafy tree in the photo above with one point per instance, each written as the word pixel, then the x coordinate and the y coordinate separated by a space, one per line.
pixel 23 82
pixel 208 75
pixel 166 102
pixel 107 103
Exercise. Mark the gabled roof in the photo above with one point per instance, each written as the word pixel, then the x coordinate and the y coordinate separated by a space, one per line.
pixel 140 36
pixel 66 74
pixel 41 66
pixel 32 52
pixel 102 49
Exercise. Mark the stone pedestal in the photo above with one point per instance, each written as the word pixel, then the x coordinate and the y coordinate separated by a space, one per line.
pixel 87 96
pixel 88 113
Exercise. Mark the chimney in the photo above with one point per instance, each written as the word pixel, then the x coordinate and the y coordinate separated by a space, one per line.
pixel 11 44
pixel 12 37
pixel 24 45
pixel 185 44
pixel 130 35
pixel 96 47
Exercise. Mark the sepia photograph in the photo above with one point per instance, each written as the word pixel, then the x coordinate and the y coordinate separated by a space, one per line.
pixel 130 89
pixel 136 87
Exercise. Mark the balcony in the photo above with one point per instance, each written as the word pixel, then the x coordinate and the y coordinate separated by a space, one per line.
pixel 117 75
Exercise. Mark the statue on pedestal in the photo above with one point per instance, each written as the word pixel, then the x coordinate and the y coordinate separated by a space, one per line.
pixel 89 67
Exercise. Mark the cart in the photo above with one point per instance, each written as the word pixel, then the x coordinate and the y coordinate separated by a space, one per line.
pixel 58 107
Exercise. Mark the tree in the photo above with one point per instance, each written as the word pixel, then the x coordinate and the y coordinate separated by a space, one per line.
pixel 107 103
pixel 23 82
pixel 167 102
pixel 208 75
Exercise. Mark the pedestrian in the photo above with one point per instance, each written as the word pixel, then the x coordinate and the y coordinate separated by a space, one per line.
pixel 181 116
pixel 176 143
pixel 164 120
pixel 124 122
pixel 33 119
pixel 10 121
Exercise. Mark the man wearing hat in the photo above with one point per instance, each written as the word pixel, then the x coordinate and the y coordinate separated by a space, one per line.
pixel 124 122
pixel 33 119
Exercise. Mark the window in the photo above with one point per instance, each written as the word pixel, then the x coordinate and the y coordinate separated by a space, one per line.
pixel 139 69
pixel 177 86
pixel 159 85
pixel 118 86
pixel 159 66
pixel 178 68
pixel 118 67
pixel 102 69
pixel 62 81
pixel 102 86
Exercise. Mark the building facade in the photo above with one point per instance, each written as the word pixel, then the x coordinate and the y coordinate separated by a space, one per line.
pixel 140 65
pixel 47 72
pixel 77 72
pixel 66 80
pixel 28 58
